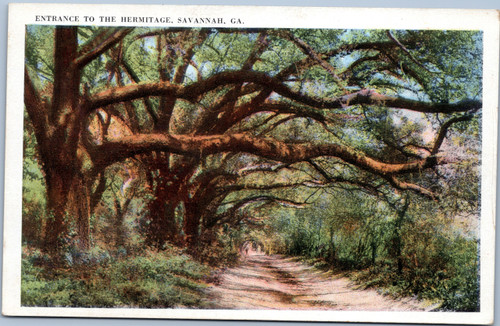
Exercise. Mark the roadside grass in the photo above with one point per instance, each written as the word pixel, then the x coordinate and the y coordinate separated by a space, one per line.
pixel 153 279
pixel 454 289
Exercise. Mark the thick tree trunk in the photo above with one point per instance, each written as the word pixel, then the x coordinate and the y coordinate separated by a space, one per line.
pixel 57 195
pixel 79 206
pixel 58 124
pixel 68 197
pixel 162 224
pixel 191 224
pixel 61 139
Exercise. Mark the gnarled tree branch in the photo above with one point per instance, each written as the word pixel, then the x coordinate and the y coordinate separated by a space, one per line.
pixel 36 109
pixel 128 146
pixel 193 91
pixel 444 129
pixel 99 48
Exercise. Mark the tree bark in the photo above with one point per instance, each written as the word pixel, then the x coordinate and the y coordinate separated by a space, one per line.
pixel 60 141
pixel 79 207
pixel 265 147
pixel 192 220
pixel 193 91
pixel 162 224
pixel 57 195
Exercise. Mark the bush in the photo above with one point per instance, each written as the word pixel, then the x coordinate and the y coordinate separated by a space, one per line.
pixel 154 280
pixel 461 293
pixel 455 284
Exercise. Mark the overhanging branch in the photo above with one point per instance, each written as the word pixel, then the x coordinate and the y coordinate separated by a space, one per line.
pixel 100 47
pixel 444 129
pixel 193 91
pixel 270 148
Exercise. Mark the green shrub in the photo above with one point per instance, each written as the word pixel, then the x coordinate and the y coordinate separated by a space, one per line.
pixel 455 284
pixel 461 292
pixel 154 280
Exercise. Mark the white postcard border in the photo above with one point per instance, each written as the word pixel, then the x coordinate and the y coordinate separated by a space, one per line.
pixel 255 17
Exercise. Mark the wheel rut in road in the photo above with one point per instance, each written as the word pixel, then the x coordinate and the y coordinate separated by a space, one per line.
pixel 278 282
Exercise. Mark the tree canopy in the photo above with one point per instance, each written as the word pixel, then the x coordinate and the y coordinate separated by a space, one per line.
pixel 350 145
pixel 198 112
pixel 196 131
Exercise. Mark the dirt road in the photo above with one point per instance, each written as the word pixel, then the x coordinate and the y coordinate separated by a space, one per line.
pixel 277 282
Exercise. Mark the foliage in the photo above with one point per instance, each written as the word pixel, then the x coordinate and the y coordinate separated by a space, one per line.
pixel 222 252
pixel 453 283
pixel 153 279
pixel 419 253
pixel 357 147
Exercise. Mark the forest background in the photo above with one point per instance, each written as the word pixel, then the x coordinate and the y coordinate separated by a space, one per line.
pixel 358 180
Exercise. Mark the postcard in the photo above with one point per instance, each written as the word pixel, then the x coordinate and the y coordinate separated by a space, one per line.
pixel 251 163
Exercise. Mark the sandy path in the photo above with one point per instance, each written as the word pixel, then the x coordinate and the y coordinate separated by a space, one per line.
pixel 276 282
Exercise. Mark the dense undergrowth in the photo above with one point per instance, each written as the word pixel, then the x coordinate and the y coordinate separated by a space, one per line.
pixel 150 279
pixel 404 248
pixel 452 285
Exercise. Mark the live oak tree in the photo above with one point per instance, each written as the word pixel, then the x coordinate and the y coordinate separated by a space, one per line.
pixel 215 120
